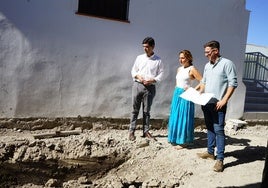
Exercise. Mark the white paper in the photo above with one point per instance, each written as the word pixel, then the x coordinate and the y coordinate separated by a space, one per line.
pixel 198 98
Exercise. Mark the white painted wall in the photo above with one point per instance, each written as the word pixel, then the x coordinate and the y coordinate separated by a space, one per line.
pixel 56 63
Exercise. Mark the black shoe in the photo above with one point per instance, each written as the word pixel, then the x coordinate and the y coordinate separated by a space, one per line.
pixel 131 136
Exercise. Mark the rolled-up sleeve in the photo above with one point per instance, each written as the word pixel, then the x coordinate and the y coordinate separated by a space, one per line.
pixel 232 75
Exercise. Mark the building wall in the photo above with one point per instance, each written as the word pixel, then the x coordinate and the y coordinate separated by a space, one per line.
pixel 257 48
pixel 55 63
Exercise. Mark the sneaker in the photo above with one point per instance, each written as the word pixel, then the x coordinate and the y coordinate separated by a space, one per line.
pixel 131 136
pixel 206 155
pixel 218 167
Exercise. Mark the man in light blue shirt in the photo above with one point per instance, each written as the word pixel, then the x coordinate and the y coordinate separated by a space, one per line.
pixel 219 78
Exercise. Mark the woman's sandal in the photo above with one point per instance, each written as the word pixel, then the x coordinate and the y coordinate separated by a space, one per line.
pixel 182 146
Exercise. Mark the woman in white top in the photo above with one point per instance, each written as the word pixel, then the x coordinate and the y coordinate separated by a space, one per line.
pixel 181 119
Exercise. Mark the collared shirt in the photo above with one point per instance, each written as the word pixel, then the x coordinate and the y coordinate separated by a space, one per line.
pixel 148 67
pixel 219 76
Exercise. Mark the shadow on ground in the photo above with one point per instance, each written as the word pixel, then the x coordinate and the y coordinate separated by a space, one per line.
pixel 246 155
pixel 254 185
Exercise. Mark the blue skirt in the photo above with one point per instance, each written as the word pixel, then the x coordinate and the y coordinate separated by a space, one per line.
pixel 181 119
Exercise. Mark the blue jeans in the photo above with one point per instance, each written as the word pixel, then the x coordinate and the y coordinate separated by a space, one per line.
pixel 215 121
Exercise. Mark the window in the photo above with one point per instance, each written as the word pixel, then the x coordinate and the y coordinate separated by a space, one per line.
pixel 111 9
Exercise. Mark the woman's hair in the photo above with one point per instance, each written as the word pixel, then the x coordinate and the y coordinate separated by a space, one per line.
pixel 188 55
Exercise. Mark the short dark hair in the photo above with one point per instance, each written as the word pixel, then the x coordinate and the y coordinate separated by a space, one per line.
pixel 149 41
pixel 212 44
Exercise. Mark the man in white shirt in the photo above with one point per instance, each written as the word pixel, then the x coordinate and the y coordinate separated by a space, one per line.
pixel 146 71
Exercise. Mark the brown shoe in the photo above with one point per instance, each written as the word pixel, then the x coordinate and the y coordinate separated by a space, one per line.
pixel 148 135
pixel 131 136
pixel 206 155
pixel 218 167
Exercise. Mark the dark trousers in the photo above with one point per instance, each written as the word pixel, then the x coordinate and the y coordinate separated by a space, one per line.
pixel 265 170
pixel 141 95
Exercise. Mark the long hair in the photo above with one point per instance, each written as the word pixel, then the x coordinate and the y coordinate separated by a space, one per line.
pixel 188 55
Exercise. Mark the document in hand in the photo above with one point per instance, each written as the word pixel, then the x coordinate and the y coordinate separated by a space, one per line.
pixel 198 98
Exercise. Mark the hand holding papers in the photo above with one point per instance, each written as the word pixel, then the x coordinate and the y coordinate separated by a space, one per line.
pixel 198 98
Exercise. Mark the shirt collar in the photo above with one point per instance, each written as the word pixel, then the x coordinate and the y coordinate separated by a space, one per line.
pixel 151 57
pixel 216 62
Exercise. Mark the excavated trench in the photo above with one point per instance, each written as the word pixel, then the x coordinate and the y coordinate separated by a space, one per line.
pixel 38 173
pixel 35 161
pixel 86 157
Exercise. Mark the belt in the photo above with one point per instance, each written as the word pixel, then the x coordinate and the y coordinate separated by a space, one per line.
pixel 143 84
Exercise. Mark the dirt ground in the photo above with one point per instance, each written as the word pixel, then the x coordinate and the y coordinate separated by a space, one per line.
pixel 99 154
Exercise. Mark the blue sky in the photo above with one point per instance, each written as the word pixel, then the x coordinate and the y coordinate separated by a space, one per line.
pixel 258 22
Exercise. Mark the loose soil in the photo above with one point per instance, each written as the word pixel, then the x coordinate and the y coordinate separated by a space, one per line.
pixel 102 156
